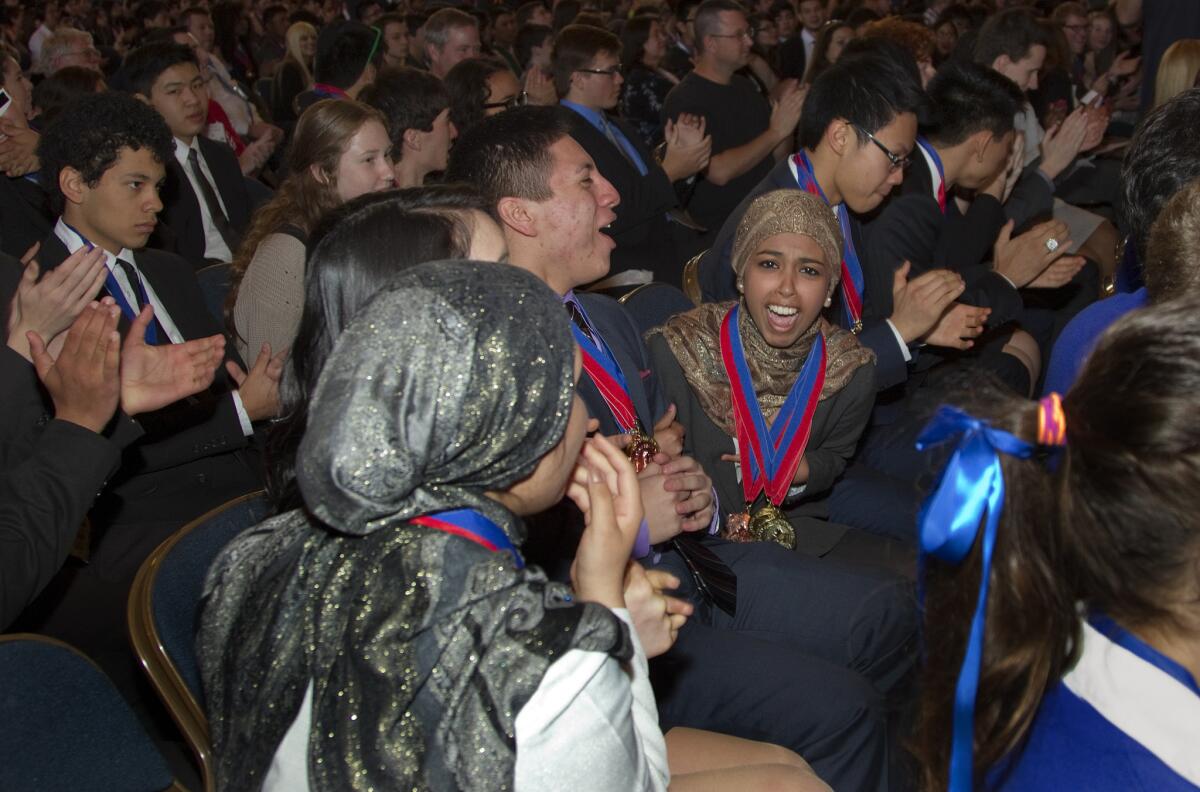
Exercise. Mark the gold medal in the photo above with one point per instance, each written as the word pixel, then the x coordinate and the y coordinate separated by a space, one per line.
pixel 770 525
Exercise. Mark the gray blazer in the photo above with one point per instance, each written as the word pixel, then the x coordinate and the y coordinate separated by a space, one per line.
pixel 837 424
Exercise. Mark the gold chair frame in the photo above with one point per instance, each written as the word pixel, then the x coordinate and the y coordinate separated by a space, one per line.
pixel 155 661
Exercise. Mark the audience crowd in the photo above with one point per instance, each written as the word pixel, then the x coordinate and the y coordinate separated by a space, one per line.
pixel 647 394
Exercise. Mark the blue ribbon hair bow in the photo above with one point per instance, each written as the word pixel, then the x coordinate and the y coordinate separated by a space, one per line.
pixel 969 492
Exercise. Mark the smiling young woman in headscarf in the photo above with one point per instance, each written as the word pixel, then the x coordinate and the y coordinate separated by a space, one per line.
pixel 772 396
pixel 361 642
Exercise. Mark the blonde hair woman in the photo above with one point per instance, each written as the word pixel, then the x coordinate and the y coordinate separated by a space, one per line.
pixel 1177 70
pixel 294 74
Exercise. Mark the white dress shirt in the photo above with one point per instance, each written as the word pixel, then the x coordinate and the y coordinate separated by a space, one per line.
pixel 214 244
pixel 591 726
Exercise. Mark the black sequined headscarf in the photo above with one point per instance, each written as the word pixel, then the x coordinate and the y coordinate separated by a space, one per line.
pixel 421 647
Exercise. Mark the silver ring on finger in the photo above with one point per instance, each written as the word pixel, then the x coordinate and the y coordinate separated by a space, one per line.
pixel 1051 245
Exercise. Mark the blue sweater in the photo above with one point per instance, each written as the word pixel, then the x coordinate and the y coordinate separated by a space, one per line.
pixel 1078 338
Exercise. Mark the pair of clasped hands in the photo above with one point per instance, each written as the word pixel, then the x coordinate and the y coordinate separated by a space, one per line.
pixel 614 499
pixel 73 342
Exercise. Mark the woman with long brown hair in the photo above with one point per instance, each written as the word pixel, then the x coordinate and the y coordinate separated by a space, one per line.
pixel 1063 607
pixel 340 151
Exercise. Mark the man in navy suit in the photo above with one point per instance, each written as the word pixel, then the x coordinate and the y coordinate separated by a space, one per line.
pixel 812 653
pixel 650 232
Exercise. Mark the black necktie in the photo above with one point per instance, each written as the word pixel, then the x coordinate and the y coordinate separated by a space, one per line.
pixel 209 194
pixel 135 283
pixel 714 579
pixel 576 314
pixel 141 297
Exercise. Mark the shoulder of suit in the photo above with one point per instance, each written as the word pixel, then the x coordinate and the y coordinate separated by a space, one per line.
pixel 163 261
pixel 213 148
pixel 608 314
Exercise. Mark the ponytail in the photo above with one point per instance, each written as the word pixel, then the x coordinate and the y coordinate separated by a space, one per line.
pixel 1030 621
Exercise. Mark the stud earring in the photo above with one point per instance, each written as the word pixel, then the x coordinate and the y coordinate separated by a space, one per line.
pixel 828 301
pixel 741 287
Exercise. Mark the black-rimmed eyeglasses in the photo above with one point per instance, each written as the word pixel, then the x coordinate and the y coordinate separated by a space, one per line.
pixel 516 100
pixel 611 71
pixel 897 162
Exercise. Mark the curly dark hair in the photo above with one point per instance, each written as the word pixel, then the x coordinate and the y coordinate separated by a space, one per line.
pixel 88 135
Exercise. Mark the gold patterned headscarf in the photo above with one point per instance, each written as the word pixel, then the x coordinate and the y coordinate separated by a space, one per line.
pixel 788 212
pixel 695 336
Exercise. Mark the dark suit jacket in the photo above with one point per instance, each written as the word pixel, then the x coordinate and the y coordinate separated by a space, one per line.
pixel 837 424
pixel 912 228
pixel 24 216
pixel 194 455
pixel 617 328
pixel 717 282
pixel 641 229
pixel 184 231
pixel 793 58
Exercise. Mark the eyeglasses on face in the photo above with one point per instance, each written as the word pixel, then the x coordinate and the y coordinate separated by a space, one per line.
pixel 897 162
pixel 516 100
pixel 611 71
pixel 741 34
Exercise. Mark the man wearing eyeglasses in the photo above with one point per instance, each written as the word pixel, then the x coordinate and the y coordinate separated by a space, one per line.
pixel 857 131
pixel 650 245
pixel 746 128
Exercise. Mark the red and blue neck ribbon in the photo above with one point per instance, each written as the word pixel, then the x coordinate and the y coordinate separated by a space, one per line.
pixel 330 91
pixel 770 456
pixel 852 284
pixel 117 293
pixel 473 526
pixel 940 188
pixel 969 492
pixel 602 367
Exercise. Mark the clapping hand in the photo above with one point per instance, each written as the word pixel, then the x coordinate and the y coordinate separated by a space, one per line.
pixel 606 490
pixel 154 376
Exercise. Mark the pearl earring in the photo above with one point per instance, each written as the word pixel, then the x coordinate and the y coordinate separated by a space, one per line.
pixel 828 301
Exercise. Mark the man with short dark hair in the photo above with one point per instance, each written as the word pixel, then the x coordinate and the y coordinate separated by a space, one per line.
pixel 534 12
pixel 504 38
pixel 968 139
pixel 451 36
pixel 271 47
pixel 344 64
pixel 102 163
pixel 682 49
pixel 417 109
pixel 857 132
pixel 796 54
pixel 746 129
pixel 393 47
pixel 650 245
pixel 813 647
pixel 206 205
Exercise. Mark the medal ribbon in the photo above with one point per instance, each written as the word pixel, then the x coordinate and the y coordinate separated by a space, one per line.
pixel 471 525
pixel 600 365
pixel 940 191
pixel 117 293
pixel 770 456
pixel 329 91
pixel 969 492
pixel 852 284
